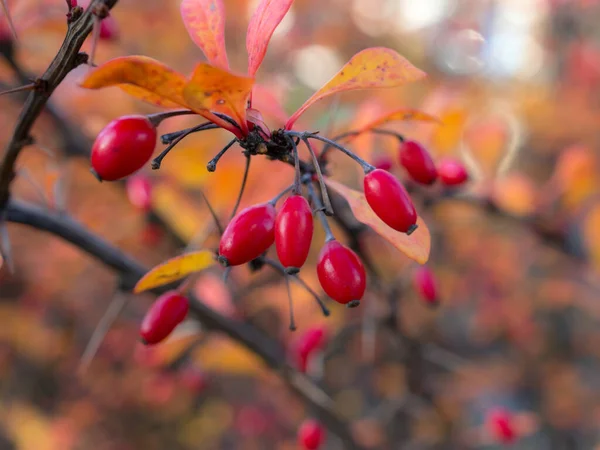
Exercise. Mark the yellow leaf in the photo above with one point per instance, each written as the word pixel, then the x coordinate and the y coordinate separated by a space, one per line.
pixel 416 245
pixel 377 67
pixel 174 269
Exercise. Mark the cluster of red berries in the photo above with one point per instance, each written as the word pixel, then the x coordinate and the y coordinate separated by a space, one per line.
pixel 253 230
pixel 421 168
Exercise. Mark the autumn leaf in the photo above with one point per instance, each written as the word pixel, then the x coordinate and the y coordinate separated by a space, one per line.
pixel 416 246
pixel 263 23
pixel 376 67
pixel 205 23
pixel 214 89
pixel 400 115
pixel 264 100
pixel 146 79
pixel 174 269
pixel 148 96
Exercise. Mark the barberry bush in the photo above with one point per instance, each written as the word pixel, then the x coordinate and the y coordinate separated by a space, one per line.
pixel 248 215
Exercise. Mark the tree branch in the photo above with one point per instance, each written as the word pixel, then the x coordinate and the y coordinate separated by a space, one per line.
pixel 67 58
pixel 130 271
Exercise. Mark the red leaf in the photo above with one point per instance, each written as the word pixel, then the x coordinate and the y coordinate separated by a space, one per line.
pixel 376 67
pixel 266 102
pixel 205 23
pixel 263 23
pixel 416 245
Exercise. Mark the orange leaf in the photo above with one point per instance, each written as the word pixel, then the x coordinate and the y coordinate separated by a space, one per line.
pixel 174 269
pixel 265 19
pixel 148 96
pixel 399 115
pixel 376 67
pixel 205 23
pixel 151 79
pixel 416 246
pixel 214 89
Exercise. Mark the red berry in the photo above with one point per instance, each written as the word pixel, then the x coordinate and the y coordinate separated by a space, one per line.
pixel 341 273
pixel 424 283
pixel 73 3
pixel 311 435
pixel 452 172
pixel 390 201
pixel 193 379
pixel 164 315
pixel 123 147
pixel 383 163
pixel 139 192
pixel 293 232
pixel 109 29
pixel 417 162
pixel 249 234
pixel 501 426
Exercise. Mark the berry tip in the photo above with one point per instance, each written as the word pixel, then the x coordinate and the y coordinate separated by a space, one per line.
pixel 353 304
pixel 96 175
pixel 223 261
pixel 412 229
pixel 292 270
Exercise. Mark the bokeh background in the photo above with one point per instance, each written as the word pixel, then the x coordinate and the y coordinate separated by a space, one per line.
pixel 516 84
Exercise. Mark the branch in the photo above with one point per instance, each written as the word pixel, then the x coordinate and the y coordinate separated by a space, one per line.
pixel 67 58
pixel 130 271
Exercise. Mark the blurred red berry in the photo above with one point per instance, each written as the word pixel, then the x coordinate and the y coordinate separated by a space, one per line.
pixel 383 163
pixel 501 426
pixel 139 192
pixel 452 172
pixel 109 29
pixel 293 232
pixel 168 311
pixel 193 379
pixel 123 147
pixel 390 201
pixel 418 162
pixel 341 273
pixel 311 435
pixel 249 234
pixel 307 344
pixel 425 285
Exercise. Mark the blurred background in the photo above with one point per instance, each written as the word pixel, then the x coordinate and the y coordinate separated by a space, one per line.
pixel 516 258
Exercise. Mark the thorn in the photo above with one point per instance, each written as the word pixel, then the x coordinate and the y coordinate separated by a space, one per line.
pixel 111 314
pixel 11 24
pixel 6 247
pixel 27 87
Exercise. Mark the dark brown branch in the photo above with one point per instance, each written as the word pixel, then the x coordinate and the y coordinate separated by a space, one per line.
pixel 67 58
pixel 130 271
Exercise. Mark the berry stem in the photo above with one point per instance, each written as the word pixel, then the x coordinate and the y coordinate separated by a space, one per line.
pixel 357 133
pixel 212 213
pixel 324 308
pixel 275 199
pixel 156 119
pixel 212 164
pixel 156 162
pixel 244 179
pixel 327 208
pixel 296 189
pixel 365 165
pixel 226 273
pixel 319 210
pixel 166 139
